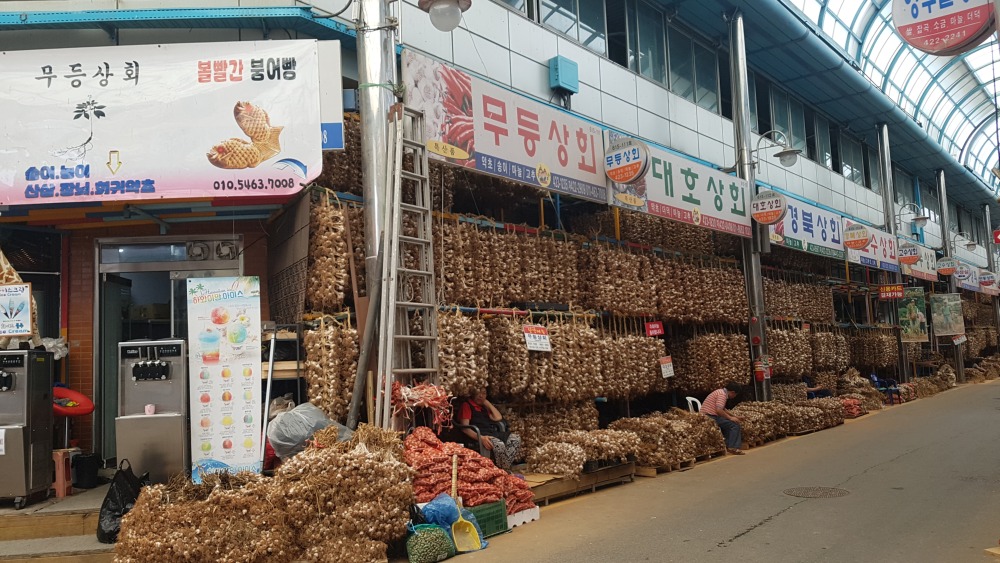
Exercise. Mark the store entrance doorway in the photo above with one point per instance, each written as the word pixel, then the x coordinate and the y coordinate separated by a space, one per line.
pixel 141 295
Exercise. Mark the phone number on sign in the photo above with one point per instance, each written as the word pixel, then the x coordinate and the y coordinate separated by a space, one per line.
pixel 256 184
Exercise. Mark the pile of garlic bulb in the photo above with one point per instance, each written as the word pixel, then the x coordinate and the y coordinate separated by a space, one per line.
pixel 328 277
pixel 706 362
pixel 808 302
pixel 602 445
pixel 833 410
pixel 463 354
pixel 537 426
pixel 556 458
pixel 331 365
pixel 830 351
pixel 791 351
pixel 672 437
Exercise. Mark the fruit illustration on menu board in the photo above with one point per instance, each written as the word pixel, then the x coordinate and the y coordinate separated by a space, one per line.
pixel 248 395
pixel 206 422
pixel 227 444
pixel 227 420
pixel 205 398
pixel 226 373
pixel 206 446
pixel 248 372
pixel 220 315
pixel 247 419
pixel 227 396
pixel 204 374
pixel 248 443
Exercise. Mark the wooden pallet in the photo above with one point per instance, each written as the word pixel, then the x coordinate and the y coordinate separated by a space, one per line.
pixel 803 433
pixel 710 456
pixel 646 471
pixel 547 487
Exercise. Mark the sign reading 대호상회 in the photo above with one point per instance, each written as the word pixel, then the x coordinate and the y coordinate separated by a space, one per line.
pixel 158 122
pixel 474 123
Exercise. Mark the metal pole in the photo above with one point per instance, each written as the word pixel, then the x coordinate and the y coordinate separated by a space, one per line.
pixel 889 211
pixel 376 76
pixel 367 343
pixel 946 243
pixel 991 265
pixel 744 169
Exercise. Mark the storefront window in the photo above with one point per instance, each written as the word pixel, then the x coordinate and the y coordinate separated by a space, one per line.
pixel 797 120
pixel 581 20
pixel 902 185
pixel 824 152
pixel 560 15
pixel 953 217
pixel 752 87
pixel 592 31
pixel 652 55
pixel 874 171
pixel 621 25
pixel 931 205
pixel 707 78
pixel 779 112
pixel 852 164
pixel 519 5
pixel 681 65
pixel 135 253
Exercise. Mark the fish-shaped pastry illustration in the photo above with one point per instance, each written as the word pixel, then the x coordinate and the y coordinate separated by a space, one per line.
pixel 235 153
pixel 264 143
pixel 255 122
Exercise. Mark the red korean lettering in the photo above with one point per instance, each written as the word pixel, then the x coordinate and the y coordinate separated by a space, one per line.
pixel 563 140
pixel 527 128
pixel 585 142
pixel 495 118
pixel 204 71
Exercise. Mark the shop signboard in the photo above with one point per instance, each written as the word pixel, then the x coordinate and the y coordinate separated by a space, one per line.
pixel 682 190
pixel 946 314
pixel 225 374
pixel 856 236
pixel 768 207
pixel 943 27
pixel 909 253
pixel 626 160
pixel 879 253
pixel 925 268
pixel 474 123
pixel 960 339
pixel 971 280
pixel 15 309
pixel 890 292
pixel 946 266
pixel 159 122
pixel 536 338
pixel 987 279
pixel 810 229
pixel 913 315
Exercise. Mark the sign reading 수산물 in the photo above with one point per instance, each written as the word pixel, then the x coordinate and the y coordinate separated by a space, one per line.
pixel 474 123
pixel 157 122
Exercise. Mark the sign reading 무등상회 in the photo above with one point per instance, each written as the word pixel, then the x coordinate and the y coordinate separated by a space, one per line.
pixel 471 122
pixel 946 314
pixel 682 190
pixel 626 161
pixel 913 315
pixel 810 229
pixel 15 309
pixel 943 27
pixel 224 370
pixel 879 253
pixel 925 268
pixel 157 122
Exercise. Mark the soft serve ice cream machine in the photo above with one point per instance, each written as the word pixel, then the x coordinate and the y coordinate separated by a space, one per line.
pixel 25 424
pixel 151 427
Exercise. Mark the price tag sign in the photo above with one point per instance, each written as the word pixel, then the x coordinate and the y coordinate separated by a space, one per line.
pixel 654 328
pixel 959 339
pixel 536 337
pixel 667 367
pixel 806 327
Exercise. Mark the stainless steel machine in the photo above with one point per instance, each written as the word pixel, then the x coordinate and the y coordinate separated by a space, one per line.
pixel 25 424
pixel 153 372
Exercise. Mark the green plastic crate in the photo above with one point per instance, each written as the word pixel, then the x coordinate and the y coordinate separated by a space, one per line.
pixel 492 517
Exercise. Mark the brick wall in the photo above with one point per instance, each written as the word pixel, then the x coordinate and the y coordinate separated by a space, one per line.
pixel 80 305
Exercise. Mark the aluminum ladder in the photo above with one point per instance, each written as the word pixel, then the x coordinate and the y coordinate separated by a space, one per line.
pixel 407 342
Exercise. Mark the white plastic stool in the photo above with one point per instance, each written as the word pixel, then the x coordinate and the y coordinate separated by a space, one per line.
pixel 694 405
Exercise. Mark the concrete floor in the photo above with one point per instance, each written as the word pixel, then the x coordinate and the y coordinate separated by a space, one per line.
pixel 923 478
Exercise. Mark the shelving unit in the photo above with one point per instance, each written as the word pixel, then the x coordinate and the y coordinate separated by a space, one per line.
pixel 288 336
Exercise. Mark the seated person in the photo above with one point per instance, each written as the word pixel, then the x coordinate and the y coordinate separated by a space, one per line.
pixel 714 407
pixel 479 412
pixel 814 392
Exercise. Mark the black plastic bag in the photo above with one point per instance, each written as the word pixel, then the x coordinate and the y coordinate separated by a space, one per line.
pixel 121 497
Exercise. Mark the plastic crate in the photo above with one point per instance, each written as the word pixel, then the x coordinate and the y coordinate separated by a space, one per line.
pixel 492 517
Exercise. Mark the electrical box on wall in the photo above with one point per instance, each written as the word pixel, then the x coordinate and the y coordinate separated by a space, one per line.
pixel 564 75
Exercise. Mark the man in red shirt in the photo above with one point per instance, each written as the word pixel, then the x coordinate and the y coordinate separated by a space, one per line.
pixel 715 408
pixel 479 412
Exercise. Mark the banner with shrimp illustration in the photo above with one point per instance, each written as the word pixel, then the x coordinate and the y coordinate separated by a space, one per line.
pixel 474 123
pixel 159 122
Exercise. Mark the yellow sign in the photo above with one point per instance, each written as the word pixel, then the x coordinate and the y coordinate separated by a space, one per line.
pixel 544 175
pixel 629 199
pixel 448 151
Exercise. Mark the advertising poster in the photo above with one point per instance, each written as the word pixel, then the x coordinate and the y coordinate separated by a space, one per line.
pixel 913 315
pixel 810 229
pixel 224 365
pixel 15 309
pixel 154 122
pixel 946 314
pixel 880 252
pixel 473 123
pixel 682 190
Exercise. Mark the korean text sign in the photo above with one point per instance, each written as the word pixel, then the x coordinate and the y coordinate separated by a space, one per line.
pixel 685 191
pixel 473 123
pixel 926 266
pixel 810 229
pixel 155 122
pixel 224 370
pixel 942 27
pixel 15 309
pixel 971 283
pixel 880 253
